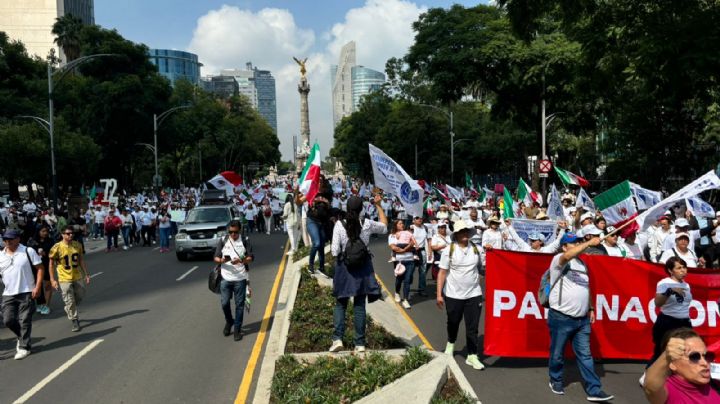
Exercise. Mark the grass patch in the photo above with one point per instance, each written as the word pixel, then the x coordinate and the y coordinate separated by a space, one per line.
pixel 339 380
pixel 311 322
pixel 451 393
pixel 301 252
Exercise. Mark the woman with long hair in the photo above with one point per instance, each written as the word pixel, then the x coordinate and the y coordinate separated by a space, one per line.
pixel 402 245
pixel 353 279
pixel 292 221
pixel 317 217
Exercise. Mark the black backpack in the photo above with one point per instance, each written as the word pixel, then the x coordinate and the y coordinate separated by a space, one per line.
pixel 356 252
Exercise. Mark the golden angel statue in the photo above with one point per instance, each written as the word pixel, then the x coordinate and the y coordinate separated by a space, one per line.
pixel 301 63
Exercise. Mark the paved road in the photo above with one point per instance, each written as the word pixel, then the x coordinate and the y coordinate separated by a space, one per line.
pixel 161 337
pixel 507 380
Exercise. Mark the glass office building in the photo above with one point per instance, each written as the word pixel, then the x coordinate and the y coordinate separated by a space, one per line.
pixel 364 81
pixel 175 64
pixel 266 102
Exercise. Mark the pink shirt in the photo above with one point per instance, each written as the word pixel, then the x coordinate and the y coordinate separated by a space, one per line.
pixel 681 391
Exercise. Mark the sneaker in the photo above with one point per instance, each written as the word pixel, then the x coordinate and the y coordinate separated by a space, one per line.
pixel 556 388
pixel 21 354
pixel 44 310
pixel 336 346
pixel 125 247
pixel 360 348
pixel 474 361
pixel 130 246
pixel 397 298
pixel 600 397
pixel 227 328
pixel 450 349
pixel 238 335
pixel 406 304
pixel 76 326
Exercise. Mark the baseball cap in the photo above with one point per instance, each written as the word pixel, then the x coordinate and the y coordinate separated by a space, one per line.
pixel 569 238
pixel 536 236
pixel 10 234
pixel 682 222
pixel 591 229
pixel 587 215
pixel 682 234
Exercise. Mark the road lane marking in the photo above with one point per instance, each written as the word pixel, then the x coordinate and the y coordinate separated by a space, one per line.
pixel 44 382
pixel 156 248
pixel 186 274
pixel 246 383
pixel 96 274
pixel 407 317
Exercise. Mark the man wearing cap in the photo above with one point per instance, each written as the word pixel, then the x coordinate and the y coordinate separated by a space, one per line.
pixel 492 237
pixel 537 240
pixel 682 249
pixel 21 287
pixel 588 232
pixel 146 221
pixel 571 315
pixel 612 244
pixel 656 241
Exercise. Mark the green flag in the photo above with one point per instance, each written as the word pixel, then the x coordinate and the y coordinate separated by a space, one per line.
pixel 93 193
pixel 468 181
pixel 507 204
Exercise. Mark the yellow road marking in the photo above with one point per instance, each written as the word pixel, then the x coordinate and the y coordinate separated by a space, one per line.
pixel 409 320
pixel 246 383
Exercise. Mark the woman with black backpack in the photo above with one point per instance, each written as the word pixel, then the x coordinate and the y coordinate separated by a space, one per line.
pixel 354 273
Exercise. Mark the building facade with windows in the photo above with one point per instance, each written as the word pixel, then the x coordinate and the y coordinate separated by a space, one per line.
pixel 341 82
pixel 364 81
pixel 222 86
pixel 175 64
pixel 31 21
pixel 259 87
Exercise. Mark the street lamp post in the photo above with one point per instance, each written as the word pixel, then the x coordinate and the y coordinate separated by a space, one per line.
pixel 449 115
pixel 157 121
pixel 61 72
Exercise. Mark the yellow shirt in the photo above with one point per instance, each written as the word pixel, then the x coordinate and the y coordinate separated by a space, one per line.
pixel 67 260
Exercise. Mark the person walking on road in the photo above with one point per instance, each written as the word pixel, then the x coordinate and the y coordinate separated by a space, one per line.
pixel 459 291
pixel 359 280
pixel 402 244
pixel 571 315
pixel 16 269
pixel 42 243
pixel 112 226
pixel 292 222
pixel 164 226
pixel 230 253
pixel 66 257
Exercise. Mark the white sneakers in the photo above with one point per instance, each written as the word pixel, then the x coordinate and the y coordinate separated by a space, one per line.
pixel 397 298
pixel 125 247
pixel 450 349
pixel 406 304
pixel 360 348
pixel 474 361
pixel 336 346
pixel 21 353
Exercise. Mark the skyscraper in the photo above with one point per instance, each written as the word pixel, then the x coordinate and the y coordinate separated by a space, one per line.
pixel 259 87
pixel 175 64
pixel 245 80
pixel 31 21
pixel 364 81
pixel 341 81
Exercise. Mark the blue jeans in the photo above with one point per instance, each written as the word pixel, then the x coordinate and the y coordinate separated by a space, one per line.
pixel 227 290
pixel 165 237
pixel 405 280
pixel 126 235
pixel 317 237
pixel 99 229
pixel 422 271
pixel 358 317
pixel 563 329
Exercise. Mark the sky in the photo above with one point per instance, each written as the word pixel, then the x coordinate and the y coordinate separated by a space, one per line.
pixel 227 34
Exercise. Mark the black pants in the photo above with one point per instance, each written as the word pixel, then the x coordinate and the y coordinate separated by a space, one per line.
pixel 470 308
pixel 145 232
pixel 17 313
pixel 664 324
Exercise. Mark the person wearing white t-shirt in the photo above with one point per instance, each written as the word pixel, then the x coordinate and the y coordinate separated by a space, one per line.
pixel 681 249
pixel 656 240
pixel 250 213
pixel 492 237
pixel 458 289
pixel 439 241
pixel 21 288
pixel 612 244
pixel 230 253
pixel 673 297
pixel 571 315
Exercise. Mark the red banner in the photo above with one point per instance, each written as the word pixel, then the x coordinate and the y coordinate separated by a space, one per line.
pixel 623 297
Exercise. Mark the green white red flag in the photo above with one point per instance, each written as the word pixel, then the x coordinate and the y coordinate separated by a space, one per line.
pixel 309 182
pixel 526 194
pixel 569 178
pixel 507 205
pixel 617 207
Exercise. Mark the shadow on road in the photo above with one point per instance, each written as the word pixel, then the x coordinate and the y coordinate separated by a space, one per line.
pixel 75 339
pixel 91 322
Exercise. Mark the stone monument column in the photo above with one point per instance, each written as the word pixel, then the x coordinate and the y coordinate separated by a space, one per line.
pixel 304 146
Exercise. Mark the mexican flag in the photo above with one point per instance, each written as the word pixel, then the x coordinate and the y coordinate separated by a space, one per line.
pixel 569 178
pixel 525 194
pixel 617 207
pixel 310 179
pixel 227 181
pixel 468 181
pixel 507 205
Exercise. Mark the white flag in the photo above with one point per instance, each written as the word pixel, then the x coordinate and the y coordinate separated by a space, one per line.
pixel 708 181
pixel 644 198
pixel 584 201
pixel 555 209
pixel 700 208
pixel 455 193
pixel 391 178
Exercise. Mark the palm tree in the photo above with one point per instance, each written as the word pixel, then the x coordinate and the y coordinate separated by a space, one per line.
pixel 67 31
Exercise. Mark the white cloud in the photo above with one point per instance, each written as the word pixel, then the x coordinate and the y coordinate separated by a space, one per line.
pixel 229 37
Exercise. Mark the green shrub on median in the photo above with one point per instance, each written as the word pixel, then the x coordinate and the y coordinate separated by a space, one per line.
pixel 340 379
pixel 451 393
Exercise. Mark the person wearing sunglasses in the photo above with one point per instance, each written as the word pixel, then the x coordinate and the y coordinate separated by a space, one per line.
pixel 233 258
pixel 66 257
pixel 682 372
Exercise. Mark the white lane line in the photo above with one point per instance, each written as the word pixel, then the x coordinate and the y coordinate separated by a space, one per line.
pixel 156 248
pixel 44 382
pixel 186 274
pixel 96 274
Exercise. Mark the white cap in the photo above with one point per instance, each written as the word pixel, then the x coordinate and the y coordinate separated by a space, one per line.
pixel 682 222
pixel 682 234
pixel 587 215
pixel 590 229
pixel 572 209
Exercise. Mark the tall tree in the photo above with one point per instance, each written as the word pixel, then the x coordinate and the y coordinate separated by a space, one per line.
pixel 67 30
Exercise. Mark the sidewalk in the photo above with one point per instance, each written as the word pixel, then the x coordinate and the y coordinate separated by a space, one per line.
pixel 93 246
